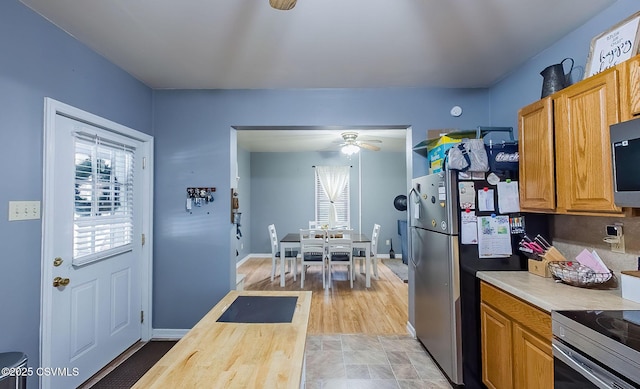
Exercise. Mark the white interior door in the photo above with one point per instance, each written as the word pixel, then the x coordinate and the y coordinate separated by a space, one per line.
pixel 94 293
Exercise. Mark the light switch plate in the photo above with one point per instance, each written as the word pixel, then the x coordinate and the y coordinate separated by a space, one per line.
pixel 24 210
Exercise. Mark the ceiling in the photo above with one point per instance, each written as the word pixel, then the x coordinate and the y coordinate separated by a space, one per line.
pixel 245 44
pixel 301 139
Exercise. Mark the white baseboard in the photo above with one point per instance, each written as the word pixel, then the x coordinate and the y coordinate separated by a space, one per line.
pixel 249 256
pixel 411 330
pixel 398 256
pixel 167 333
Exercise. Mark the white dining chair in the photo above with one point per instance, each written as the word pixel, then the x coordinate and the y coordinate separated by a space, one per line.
pixel 340 251
pixel 312 252
pixel 289 256
pixel 360 255
pixel 314 224
pixel 341 226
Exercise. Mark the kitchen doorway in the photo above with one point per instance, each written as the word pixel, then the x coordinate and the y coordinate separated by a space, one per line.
pixel 257 141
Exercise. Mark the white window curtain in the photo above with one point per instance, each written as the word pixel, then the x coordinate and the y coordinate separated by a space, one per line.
pixel 333 180
pixel 323 203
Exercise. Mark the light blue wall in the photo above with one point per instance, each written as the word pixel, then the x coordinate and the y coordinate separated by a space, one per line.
pixel 383 178
pixel 282 192
pixel 39 60
pixel 193 257
pixel 524 85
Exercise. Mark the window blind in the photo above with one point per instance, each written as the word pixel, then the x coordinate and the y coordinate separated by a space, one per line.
pixel 103 217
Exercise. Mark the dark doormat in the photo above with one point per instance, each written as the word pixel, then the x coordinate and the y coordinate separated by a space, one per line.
pixel 397 267
pixel 131 370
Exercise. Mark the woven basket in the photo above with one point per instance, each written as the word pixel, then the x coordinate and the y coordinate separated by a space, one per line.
pixel 573 273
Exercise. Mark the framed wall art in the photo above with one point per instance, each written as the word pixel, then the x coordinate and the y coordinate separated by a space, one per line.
pixel 613 46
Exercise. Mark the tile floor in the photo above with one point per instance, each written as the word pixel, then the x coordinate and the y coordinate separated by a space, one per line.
pixel 369 361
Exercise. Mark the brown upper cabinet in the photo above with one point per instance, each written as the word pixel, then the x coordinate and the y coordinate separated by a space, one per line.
pixel 565 153
pixel 630 89
pixel 537 157
pixel 583 113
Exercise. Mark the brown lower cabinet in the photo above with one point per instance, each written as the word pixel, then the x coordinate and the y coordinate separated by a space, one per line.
pixel 516 342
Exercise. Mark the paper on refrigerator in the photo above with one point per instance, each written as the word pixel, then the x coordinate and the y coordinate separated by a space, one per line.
pixel 508 200
pixel 485 200
pixel 494 237
pixel 467 195
pixel 469 228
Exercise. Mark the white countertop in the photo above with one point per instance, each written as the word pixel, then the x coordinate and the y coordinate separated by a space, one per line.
pixel 549 295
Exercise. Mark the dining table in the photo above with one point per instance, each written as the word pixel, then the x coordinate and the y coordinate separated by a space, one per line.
pixel 291 241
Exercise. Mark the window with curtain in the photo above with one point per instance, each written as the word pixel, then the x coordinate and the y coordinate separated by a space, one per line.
pixel 323 203
pixel 103 217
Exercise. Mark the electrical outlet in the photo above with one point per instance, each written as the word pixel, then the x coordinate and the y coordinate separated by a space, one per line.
pixel 618 247
pixel 388 242
pixel 24 210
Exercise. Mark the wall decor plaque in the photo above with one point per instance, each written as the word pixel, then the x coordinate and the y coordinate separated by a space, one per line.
pixel 614 46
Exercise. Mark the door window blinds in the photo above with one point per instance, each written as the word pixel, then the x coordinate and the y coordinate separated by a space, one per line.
pixel 322 205
pixel 103 217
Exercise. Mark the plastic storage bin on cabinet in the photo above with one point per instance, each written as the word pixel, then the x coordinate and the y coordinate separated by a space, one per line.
pixel 16 375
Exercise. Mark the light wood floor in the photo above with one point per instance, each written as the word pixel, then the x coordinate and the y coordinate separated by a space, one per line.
pixel 379 310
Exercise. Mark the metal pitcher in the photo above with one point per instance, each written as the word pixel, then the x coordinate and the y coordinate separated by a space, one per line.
pixel 554 78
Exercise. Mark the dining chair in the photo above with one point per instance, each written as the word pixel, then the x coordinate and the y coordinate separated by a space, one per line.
pixel 313 224
pixel 360 255
pixel 340 251
pixel 312 252
pixel 289 256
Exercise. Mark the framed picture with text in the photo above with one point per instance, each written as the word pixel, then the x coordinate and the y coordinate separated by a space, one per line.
pixel 616 45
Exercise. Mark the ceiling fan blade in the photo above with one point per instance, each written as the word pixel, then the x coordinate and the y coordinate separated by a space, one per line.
pixel 368 146
pixel 371 141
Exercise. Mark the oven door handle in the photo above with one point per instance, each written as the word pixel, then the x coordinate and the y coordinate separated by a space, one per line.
pixel 585 367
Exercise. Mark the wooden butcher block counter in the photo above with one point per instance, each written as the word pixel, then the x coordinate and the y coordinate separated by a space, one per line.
pixel 236 355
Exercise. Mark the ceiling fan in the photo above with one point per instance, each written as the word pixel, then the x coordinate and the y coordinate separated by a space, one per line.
pixel 351 145
pixel 283 5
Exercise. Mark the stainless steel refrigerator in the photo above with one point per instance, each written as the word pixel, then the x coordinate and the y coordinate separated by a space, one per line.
pixel 433 245
pixel 447 291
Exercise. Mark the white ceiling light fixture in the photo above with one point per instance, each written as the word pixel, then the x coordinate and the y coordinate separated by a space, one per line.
pixel 350 149
pixel 283 5
pixel 351 145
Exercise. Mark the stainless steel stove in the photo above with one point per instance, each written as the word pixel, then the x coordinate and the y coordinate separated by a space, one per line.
pixel 596 349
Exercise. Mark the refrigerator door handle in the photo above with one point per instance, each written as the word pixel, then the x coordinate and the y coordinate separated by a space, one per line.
pixel 410 245
pixel 410 227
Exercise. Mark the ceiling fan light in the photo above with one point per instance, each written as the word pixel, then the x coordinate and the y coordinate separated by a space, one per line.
pixel 350 149
pixel 283 5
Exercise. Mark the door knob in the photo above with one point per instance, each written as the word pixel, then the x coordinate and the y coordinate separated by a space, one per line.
pixel 59 281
